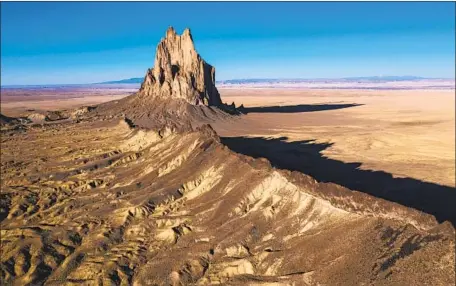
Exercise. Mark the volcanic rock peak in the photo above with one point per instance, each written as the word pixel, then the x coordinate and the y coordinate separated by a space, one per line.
pixel 180 73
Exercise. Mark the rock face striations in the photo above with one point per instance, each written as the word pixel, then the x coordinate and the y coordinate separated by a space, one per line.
pixel 180 73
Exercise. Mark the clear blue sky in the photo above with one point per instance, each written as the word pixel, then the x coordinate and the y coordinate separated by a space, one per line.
pixel 46 43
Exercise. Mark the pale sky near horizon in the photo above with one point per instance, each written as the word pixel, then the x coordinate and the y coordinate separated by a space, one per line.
pixel 87 42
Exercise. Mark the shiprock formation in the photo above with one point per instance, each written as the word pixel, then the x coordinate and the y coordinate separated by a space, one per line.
pixel 180 73
pixel 98 200
pixel 178 90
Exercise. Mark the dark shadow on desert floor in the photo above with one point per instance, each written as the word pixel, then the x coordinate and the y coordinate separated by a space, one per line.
pixel 305 156
pixel 297 108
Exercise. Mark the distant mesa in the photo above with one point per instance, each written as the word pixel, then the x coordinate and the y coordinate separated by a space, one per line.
pixel 133 80
pixel 180 73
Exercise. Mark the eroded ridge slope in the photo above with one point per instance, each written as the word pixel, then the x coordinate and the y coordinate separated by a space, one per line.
pixel 104 203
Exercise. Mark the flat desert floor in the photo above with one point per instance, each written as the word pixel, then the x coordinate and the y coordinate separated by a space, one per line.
pixel 405 133
pixel 408 133
pixel 20 102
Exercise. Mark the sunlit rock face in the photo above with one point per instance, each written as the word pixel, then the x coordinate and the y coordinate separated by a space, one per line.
pixel 180 72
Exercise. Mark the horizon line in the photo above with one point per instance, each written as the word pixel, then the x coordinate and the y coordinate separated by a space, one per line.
pixel 234 79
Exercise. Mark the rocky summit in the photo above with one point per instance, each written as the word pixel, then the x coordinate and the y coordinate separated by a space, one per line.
pixel 180 72
pixel 179 90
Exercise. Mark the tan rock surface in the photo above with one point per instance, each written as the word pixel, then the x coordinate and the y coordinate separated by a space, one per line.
pixel 180 72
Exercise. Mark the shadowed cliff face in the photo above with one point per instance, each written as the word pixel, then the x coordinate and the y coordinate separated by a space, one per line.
pixel 180 73
pixel 306 157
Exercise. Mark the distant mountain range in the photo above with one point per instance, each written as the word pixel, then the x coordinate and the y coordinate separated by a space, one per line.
pixel 310 80
pixel 290 80
pixel 128 80
pixel 136 81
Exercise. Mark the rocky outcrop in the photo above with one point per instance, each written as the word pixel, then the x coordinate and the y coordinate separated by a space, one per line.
pixel 11 121
pixel 6 119
pixel 180 73
pixel 179 89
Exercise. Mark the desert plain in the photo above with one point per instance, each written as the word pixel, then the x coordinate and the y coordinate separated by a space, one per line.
pixel 407 133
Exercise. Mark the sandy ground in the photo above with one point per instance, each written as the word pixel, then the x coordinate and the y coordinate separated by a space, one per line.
pixel 408 133
pixel 405 133
pixel 16 106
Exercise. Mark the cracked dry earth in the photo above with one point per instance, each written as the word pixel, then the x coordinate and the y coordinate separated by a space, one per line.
pixel 103 203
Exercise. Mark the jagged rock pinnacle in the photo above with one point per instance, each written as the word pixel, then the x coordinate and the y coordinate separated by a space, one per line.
pixel 180 72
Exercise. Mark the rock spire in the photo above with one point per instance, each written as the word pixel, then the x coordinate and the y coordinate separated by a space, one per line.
pixel 180 73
